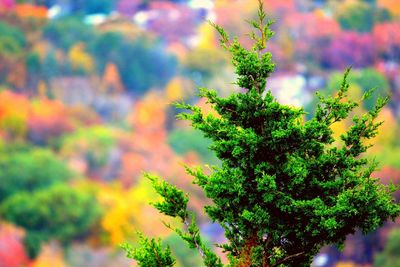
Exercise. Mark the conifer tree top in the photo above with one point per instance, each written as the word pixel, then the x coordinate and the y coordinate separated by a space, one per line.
pixel 286 187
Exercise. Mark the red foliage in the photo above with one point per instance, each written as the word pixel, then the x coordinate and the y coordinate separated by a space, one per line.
pixel 6 5
pixel 387 38
pixel 12 252
pixel 312 25
pixel 350 49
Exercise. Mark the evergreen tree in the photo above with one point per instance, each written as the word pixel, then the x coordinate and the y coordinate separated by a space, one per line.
pixel 285 187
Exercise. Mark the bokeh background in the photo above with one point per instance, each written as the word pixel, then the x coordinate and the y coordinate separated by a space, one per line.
pixel 86 88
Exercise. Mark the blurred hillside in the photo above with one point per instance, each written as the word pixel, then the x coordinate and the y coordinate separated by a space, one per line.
pixel 86 88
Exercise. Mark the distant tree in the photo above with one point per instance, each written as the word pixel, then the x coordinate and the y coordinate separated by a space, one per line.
pixel 31 170
pixel 65 32
pixel 284 189
pixel 390 255
pixel 142 63
pixel 105 48
pixel 60 212
pixel 361 17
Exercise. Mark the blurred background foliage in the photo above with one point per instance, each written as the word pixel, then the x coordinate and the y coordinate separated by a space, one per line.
pixel 86 93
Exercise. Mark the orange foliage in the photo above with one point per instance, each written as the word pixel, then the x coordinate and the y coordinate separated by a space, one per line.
pixel 48 119
pixel 147 149
pixel 50 256
pixel 31 11
pixel 111 79
pixel 14 110
pixel 149 118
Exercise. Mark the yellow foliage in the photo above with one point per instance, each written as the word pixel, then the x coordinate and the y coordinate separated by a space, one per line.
pixel 174 90
pixel 80 60
pixel 338 129
pixel 392 5
pixel 128 211
pixel 346 264
pixel 207 36
pixel 51 256
pixel 150 111
pixel 387 131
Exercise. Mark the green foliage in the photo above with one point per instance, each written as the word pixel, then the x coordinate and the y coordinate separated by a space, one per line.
pixel 184 141
pixel 362 17
pixel 65 32
pixel 150 253
pixel 390 255
pixel 142 63
pixel 184 255
pixel 12 41
pixel 285 188
pixel 29 171
pixel 59 212
pixel 93 143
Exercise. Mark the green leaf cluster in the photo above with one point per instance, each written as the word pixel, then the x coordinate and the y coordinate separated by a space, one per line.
pixel 59 212
pixel 30 170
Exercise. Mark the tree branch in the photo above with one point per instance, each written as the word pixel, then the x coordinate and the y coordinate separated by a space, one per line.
pixel 288 258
